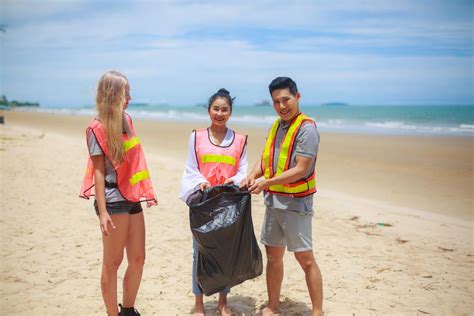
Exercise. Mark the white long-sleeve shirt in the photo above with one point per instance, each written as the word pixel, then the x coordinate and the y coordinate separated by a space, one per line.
pixel 192 178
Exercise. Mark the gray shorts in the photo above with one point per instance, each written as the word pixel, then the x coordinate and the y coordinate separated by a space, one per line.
pixel 287 229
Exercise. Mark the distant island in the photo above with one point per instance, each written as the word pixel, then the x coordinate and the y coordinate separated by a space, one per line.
pixel 14 103
pixel 141 104
pixel 263 103
pixel 334 104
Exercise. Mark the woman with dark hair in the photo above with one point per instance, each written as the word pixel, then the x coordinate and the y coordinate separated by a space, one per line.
pixel 216 155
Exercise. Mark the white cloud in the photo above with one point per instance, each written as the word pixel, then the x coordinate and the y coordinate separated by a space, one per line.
pixel 332 48
pixel 13 10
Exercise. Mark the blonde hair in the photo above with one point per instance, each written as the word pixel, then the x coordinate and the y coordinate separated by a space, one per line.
pixel 110 99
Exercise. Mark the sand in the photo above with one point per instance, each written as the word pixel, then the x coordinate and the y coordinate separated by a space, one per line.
pixel 392 231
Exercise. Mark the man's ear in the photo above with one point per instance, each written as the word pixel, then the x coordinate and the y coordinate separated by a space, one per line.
pixel 297 96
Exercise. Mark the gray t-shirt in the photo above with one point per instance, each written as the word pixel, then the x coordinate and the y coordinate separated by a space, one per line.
pixel 111 194
pixel 307 145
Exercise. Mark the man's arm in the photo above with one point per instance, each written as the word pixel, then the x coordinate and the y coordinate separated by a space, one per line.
pixel 299 171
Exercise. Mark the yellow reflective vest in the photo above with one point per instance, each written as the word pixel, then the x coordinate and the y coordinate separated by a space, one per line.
pixel 299 188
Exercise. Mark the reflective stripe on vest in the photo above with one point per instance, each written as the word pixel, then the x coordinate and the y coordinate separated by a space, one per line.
pixel 218 158
pixel 130 143
pixel 305 186
pixel 299 188
pixel 218 163
pixel 139 176
pixel 267 159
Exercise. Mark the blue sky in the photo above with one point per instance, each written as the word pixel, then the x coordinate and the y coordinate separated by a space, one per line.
pixel 180 52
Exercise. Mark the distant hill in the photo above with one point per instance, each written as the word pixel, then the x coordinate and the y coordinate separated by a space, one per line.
pixel 13 103
pixel 334 104
pixel 141 104
pixel 263 103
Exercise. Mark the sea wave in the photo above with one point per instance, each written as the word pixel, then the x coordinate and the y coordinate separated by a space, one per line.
pixel 68 111
pixel 349 125
pixel 466 126
pixel 403 128
pixel 391 124
pixel 185 116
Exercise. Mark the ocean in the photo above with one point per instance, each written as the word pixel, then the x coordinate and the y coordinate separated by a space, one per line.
pixel 453 120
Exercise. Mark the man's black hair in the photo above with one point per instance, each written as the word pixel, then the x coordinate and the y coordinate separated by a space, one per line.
pixel 283 83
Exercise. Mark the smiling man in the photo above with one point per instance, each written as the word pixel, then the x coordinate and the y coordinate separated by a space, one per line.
pixel 288 169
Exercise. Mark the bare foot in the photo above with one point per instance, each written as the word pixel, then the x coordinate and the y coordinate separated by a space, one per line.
pixel 317 312
pixel 267 311
pixel 198 310
pixel 222 305
pixel 225 310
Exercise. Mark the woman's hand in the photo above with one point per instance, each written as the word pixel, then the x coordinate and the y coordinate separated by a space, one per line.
pixel 151 203
pixel 203 186
pixel 105 221
pixel 229 181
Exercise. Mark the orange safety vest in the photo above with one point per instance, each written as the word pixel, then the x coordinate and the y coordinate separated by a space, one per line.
pixel 133 178
pixel 299 188
pixel 218 163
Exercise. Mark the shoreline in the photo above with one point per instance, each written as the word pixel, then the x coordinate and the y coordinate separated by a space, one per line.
pixel 189 115
pixel 426 173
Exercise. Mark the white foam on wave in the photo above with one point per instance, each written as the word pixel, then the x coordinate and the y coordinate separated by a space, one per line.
pixel 466 126
pixel 255 120
pixel 336 122
pixel 68 111
pixel 184 116
pixel 390 124
pixel 463 129
pixel 265 121
pixel 169 115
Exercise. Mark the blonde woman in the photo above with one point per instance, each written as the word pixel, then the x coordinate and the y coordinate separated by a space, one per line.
pixel 117 175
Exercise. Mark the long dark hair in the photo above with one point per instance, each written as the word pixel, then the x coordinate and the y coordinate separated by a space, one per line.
pixel 221 93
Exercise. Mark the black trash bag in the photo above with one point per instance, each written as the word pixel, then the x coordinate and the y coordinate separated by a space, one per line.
pixel 221 223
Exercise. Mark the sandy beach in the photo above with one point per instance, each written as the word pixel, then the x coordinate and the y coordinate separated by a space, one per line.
pixel 392 231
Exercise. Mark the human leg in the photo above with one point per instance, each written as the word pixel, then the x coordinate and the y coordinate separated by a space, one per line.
pixel 298 232
pixel 113 246
pixel 198 297
pixel 274 240
pixel 314 280
pixel 222 304
pixel 136 258
pixel 198 305
pixel 274 276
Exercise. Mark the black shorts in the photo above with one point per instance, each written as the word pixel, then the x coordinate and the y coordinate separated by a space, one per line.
pixel 120 207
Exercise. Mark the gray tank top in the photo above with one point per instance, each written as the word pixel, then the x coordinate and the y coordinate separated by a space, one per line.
pixel 111 194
